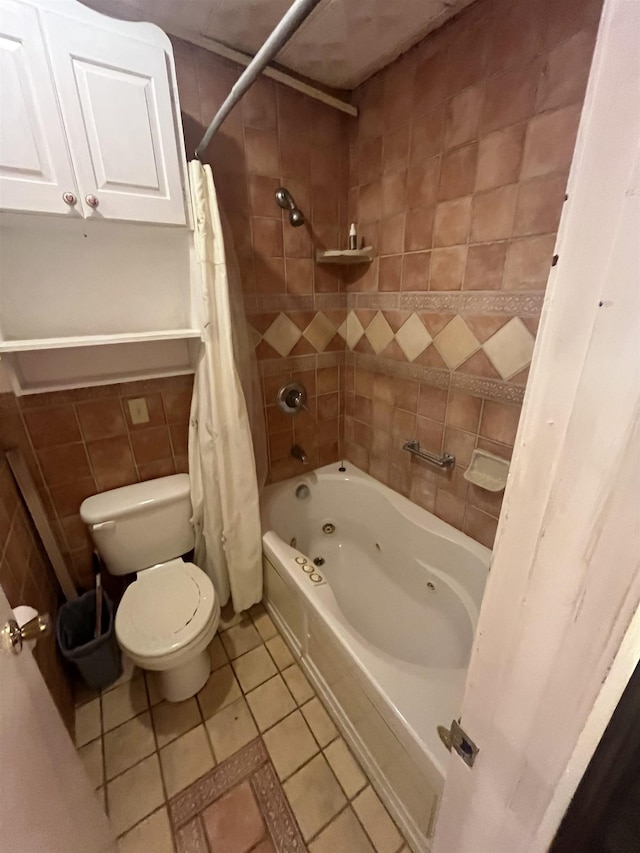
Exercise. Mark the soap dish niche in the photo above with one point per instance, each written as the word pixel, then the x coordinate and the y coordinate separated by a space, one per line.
pixel 487 471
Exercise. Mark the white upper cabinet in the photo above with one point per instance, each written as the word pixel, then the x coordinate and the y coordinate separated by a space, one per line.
pixel 35 170
pixel 114 104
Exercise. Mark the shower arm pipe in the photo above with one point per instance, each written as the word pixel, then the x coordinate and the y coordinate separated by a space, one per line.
pixel 293 18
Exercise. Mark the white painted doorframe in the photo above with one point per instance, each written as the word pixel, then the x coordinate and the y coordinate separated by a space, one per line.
pixel 559 630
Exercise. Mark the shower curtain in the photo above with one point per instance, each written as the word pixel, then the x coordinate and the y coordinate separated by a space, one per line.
pixel 224 486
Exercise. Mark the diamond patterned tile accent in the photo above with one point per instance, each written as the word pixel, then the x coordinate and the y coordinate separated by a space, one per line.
pixel 511 348
pixel 320 331
pixel 354 330
pixel 413 338
pixel 456 342
pixel 282 335
pixel 379 333
pixel 508 350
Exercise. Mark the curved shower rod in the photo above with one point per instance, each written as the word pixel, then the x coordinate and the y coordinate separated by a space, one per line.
pixel 295 15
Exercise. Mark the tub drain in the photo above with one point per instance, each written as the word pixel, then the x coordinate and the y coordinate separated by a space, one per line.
pixel 328 528
pixel 319 561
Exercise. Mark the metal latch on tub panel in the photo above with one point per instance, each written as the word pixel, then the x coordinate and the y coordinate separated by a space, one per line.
pixel 458 740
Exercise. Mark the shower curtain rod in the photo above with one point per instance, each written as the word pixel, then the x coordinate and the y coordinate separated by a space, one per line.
pixel 295 15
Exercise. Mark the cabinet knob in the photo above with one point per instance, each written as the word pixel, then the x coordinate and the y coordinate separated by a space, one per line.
pixel 92 201
pixel 69 198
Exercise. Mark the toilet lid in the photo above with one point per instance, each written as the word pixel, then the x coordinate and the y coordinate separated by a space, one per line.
pixel 164 609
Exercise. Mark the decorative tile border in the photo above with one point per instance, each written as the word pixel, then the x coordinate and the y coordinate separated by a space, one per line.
pixel 441 303
pixel 497 328
pixel 253 763
pixel 273 303
pixel 474 385
pixel 190 838
pixel 329 301
pixel 490 388
pixel 400 369
pixel 524 304
pixel 456 347
pixel 493 347
pixel 187 805
pixel 276 811
pixel 381 301
pixel 249 303
pixel 499 302
pixel 289 302
pixel 269 367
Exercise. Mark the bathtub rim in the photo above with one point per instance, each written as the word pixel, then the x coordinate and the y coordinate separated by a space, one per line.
pixel 411 511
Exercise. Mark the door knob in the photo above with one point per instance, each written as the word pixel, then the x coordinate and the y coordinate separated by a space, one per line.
pixel 92 201
pixel 14 636
pixel 69 198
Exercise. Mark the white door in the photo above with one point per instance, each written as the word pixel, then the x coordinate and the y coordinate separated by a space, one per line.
pixel 115 96
pixel 559 630
pixel 46 802
pixel 35 169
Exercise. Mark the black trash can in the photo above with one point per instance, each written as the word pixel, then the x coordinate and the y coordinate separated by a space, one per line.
pixel 98 659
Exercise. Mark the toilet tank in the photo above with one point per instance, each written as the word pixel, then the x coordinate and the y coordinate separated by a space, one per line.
pixel 138 526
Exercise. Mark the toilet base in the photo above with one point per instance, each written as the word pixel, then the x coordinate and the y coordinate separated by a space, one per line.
pixel 184 681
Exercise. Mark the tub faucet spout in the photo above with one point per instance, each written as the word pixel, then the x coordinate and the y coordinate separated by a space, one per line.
pixel 298 453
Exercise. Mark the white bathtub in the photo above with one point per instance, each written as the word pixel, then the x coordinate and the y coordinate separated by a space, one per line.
pixel 383 627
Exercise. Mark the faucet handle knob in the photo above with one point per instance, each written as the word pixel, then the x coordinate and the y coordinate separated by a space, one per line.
pixel 297 400
pixel 292 397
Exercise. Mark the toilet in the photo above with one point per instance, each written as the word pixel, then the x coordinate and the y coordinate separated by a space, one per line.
pixel 170 613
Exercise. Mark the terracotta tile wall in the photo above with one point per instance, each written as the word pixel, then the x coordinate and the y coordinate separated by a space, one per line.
pixel 455 172
pixel 384 410
pixel 26 574
pixel 458 168
pixel 82 441
pixel 295 307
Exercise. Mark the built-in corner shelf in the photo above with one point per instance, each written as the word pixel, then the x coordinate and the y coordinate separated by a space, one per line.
pixel 346 256
pixel 30 345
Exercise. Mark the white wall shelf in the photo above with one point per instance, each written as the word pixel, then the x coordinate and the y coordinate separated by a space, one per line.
pixel 97 340
pixel 346 256
pixel 60 363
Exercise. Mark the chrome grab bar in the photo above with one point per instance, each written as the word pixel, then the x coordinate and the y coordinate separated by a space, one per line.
pixel 444 460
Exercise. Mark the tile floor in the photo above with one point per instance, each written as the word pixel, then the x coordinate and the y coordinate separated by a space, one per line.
pixel 253 763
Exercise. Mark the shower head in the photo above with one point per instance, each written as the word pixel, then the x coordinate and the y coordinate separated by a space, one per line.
pixel 296 217
pixel 286 202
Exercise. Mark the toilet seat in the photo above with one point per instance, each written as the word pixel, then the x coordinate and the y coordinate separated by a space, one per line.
pixel 165 611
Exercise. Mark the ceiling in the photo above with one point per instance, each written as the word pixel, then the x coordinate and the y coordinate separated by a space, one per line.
pixel 340 44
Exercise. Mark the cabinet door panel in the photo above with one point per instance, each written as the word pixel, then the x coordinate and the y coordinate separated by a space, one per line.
pixel 35 169
pixel 115 95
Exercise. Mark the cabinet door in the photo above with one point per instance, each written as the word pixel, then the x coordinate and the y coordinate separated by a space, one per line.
pixel 116 99
pixel 35 169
